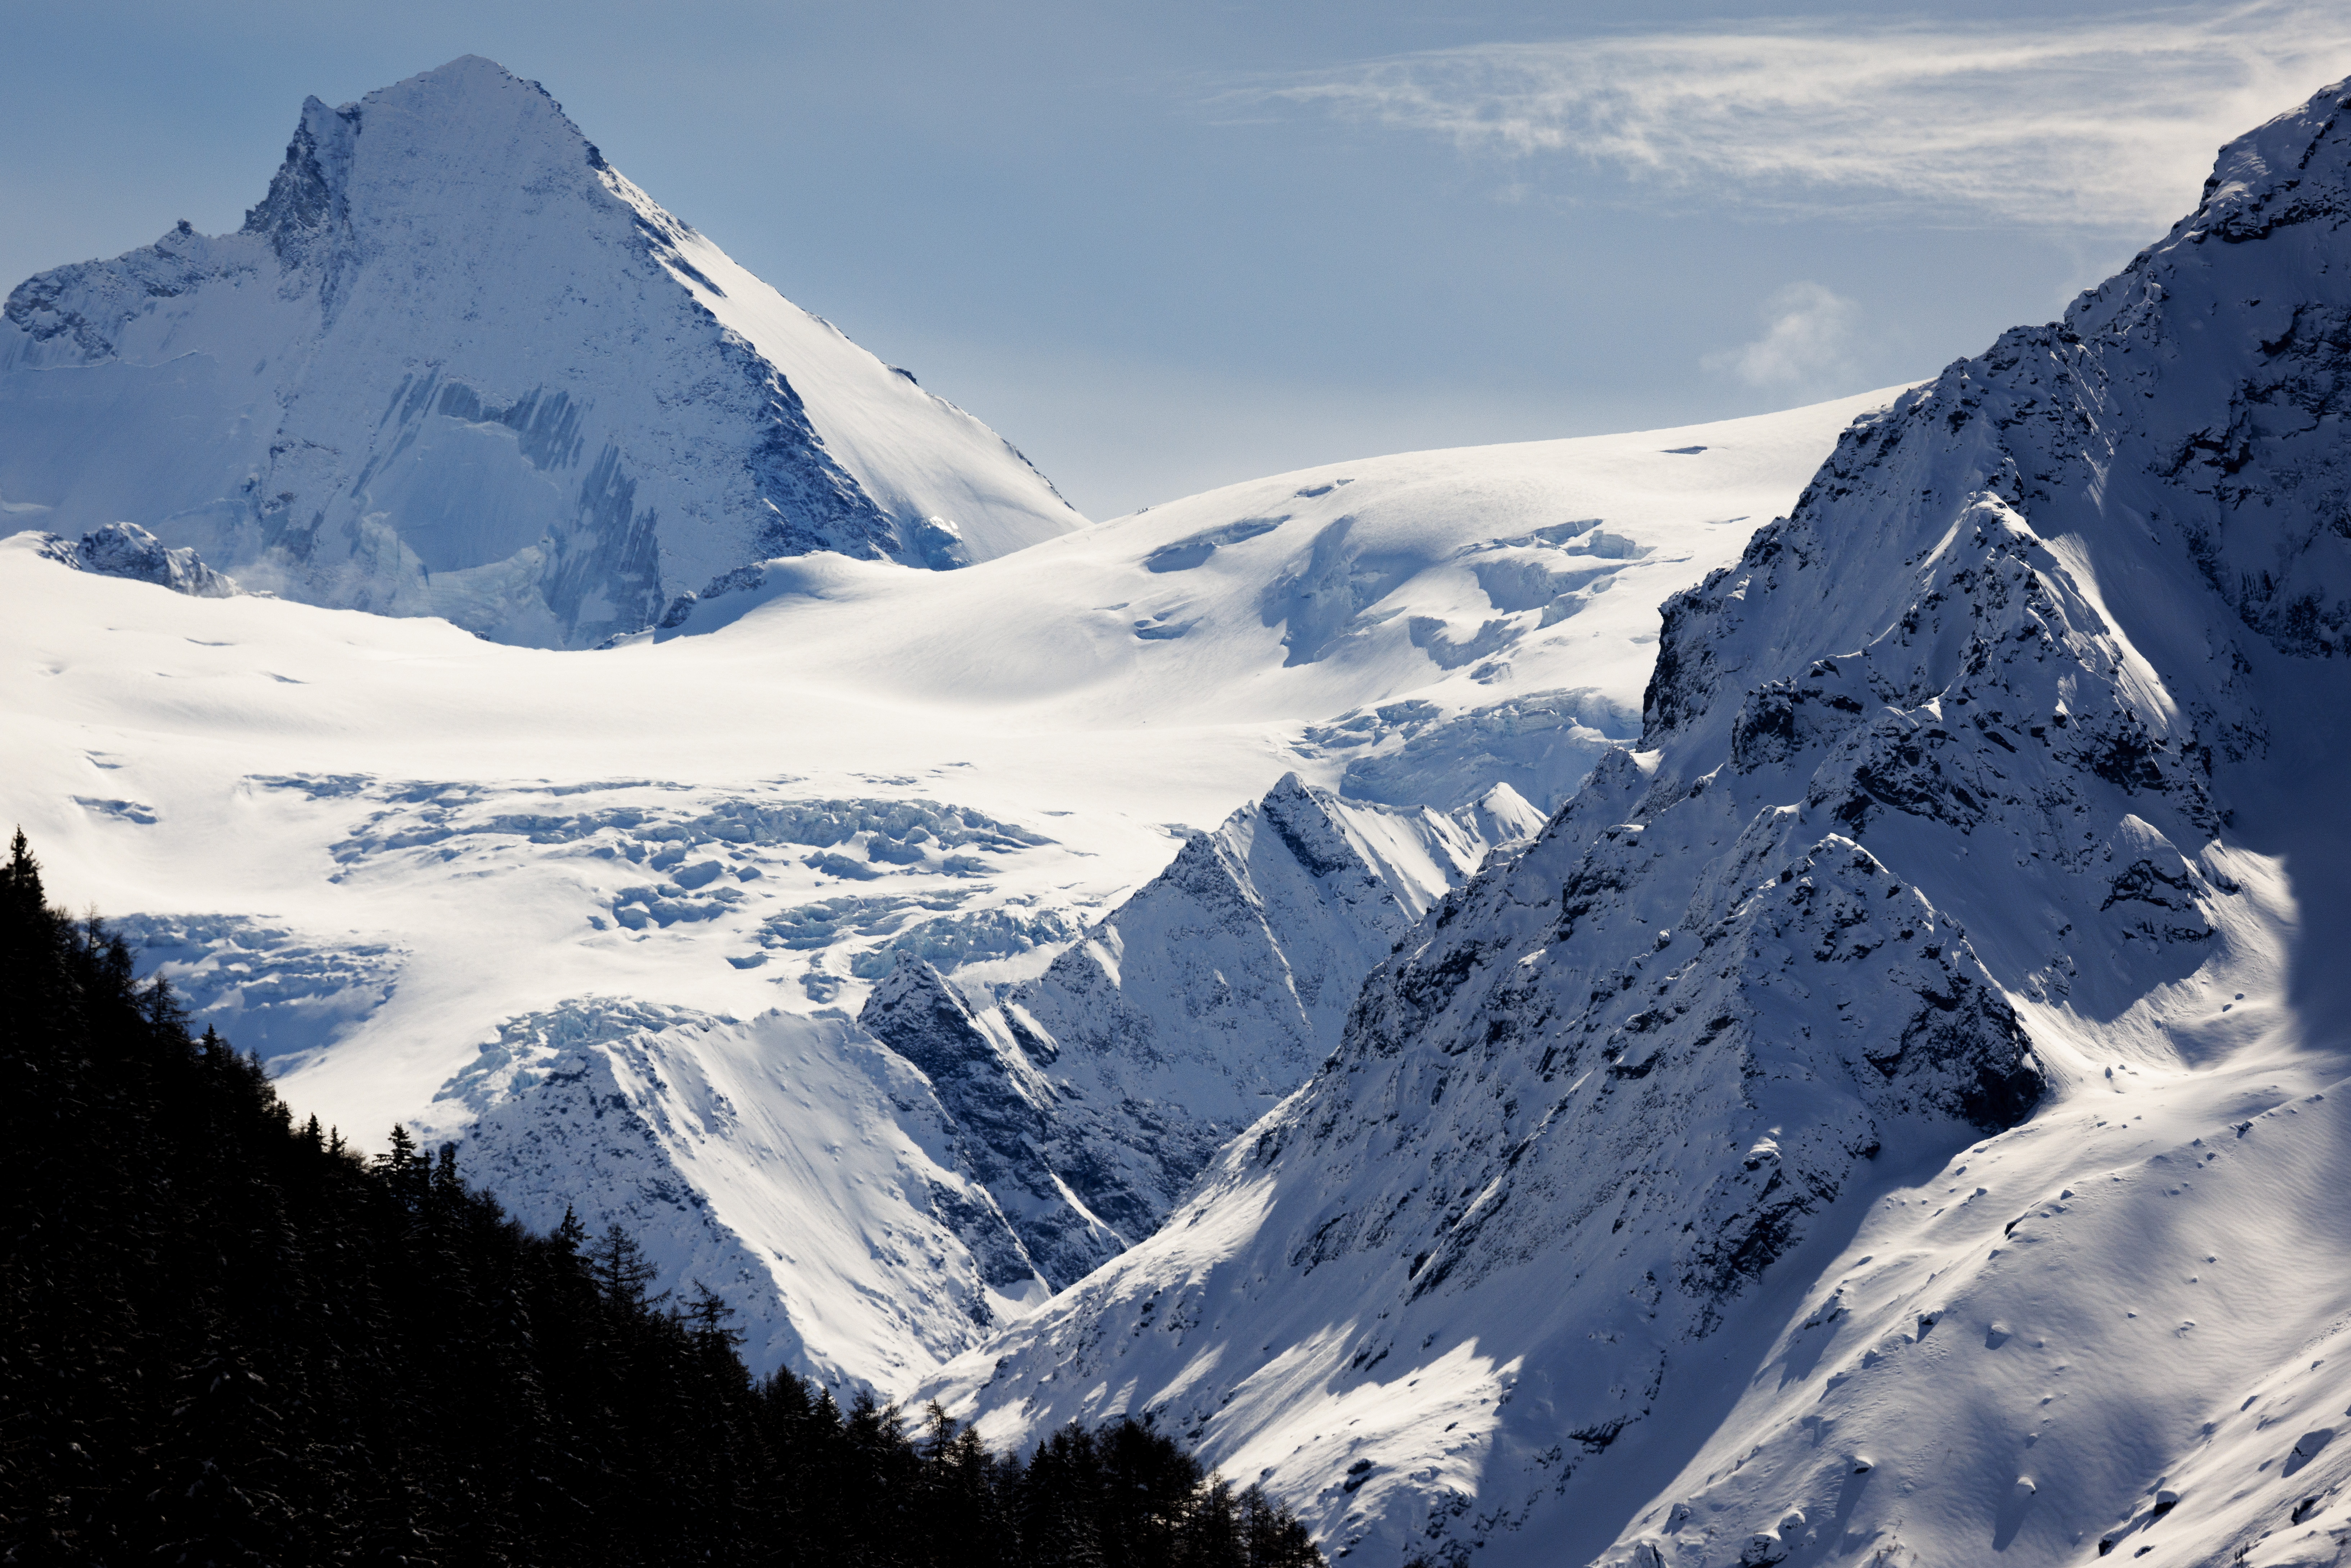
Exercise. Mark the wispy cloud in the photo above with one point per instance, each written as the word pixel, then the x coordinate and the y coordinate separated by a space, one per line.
pixel 1807 342
pixel 2102 122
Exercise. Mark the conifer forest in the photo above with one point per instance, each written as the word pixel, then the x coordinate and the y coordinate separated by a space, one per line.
pixel 227 1339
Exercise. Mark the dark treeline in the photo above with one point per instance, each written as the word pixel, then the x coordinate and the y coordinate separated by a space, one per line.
pixel 226 1339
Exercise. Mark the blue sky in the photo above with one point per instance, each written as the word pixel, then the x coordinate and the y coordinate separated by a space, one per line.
pixel 1163 247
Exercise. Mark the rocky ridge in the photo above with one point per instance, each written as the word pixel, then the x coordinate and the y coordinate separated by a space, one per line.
pixel 128 551
pixel 1090 1097
pixel 1930 817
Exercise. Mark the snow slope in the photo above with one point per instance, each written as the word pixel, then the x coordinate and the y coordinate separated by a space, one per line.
pixel 456 364
pixel 1427 625
pixel 1890 1114
pixel 486 888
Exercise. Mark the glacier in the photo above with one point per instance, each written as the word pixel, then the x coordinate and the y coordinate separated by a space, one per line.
pixel 1887 1116
pixel 456 364
pixel 610 920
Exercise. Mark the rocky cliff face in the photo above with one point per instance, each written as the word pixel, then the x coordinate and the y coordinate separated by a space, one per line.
pixel 456 364
pixel 1930 815
pixel 1009 1133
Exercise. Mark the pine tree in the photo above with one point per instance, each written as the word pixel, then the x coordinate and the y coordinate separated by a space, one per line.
pixel 620 1268
pixel 710 1313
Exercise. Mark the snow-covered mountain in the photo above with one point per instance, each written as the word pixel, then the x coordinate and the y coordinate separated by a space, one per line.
pixel 878 1195
pixel 456 364
pixel 1887 1116
pixel 1103 1087
pixel 608 916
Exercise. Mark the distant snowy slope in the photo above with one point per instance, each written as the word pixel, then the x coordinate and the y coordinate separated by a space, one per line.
pixel 456 364
pixel 608 915
pixel 1428 625
pixel 1892 1115
pixel 791 1162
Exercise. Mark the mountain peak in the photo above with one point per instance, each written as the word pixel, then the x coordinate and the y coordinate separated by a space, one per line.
pixel 1958 796
pixel 467 129
pixel 484 377
pixel 468 68
pixel 2276 173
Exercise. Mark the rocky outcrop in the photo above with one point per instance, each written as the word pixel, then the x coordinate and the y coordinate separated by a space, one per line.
pixel 128 551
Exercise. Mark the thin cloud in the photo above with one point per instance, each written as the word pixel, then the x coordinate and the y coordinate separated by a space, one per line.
pixel 1808 342
pixel 2108 122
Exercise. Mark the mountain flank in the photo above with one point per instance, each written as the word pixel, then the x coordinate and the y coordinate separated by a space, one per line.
pixel 1788 1157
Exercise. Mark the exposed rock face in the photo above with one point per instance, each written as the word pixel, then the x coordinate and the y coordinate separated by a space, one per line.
pixel 1932 784
pixel 1006 1131
pixel 456 364
pixel 128 551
